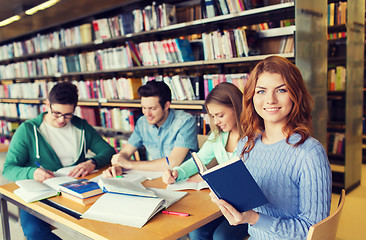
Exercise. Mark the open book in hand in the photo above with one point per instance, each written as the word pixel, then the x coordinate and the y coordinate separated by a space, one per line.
pixel 121 186
pixel 232 182
pixel 31 190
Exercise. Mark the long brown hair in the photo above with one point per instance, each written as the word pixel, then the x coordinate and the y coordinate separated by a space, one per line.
pixel 229 95
pixel 298 120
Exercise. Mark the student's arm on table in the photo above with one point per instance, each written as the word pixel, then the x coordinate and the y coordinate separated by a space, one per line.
pixel 120 160
pixel 103 153
pixel 176 157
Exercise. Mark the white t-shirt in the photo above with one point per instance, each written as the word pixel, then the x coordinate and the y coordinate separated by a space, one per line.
pixel 63 141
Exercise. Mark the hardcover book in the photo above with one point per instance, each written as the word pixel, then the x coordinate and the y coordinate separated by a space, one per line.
pixel 83 201
pixel 81 188
pixel 232 182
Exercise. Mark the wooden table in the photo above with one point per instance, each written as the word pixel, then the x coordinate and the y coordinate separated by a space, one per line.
pixel 161 226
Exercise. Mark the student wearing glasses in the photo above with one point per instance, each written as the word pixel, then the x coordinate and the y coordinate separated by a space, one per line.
pixel 54 139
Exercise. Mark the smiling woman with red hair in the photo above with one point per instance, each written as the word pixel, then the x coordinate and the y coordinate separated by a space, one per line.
pixel 289 165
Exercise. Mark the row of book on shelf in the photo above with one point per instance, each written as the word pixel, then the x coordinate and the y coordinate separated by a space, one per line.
pixel 336 143
pixel 337 78
pixel 216 45
pixel 336 35
pixel 117 119
pixel 142 54
pixel 151 17
pixel 225 44
pixel 212 8
pixel 114 118
pixel 22 111
pixel 7 127
pixel 337 13
pixel 183 87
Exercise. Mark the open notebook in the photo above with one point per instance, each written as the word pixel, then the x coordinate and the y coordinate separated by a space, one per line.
pixel 31 190
pixel 130 210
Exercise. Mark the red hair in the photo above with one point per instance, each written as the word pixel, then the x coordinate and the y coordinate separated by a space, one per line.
pixel 298 120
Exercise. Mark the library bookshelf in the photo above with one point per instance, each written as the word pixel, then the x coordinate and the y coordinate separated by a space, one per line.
pixel 345 91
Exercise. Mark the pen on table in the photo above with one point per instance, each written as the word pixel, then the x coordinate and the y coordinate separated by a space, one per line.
pixel 40 166
pixel 176 213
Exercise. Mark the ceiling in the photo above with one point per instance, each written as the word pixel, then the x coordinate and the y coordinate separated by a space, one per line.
pixel 12 7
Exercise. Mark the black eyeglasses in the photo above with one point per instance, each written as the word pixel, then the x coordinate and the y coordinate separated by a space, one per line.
pixel 58 114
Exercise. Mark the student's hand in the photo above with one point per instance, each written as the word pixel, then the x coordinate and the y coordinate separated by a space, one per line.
pixel 195 178
pixel 169 176
pixel 232 215
pixel 119 160
pixel 40 175
pixel 82 169
pixel 112 172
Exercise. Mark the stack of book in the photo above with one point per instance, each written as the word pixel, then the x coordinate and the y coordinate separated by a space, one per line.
pixel 82 191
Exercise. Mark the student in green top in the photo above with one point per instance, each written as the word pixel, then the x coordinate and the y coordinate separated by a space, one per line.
pixel 54 139
pixel 223 105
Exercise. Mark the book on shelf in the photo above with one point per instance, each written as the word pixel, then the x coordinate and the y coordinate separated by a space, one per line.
pixel 232 182
pixel 189 13
pixel 168 14
pixel 86 33
pixel 31 190
pixel 83 201
pixel 337 78
pixel 184 50
pixel 82 188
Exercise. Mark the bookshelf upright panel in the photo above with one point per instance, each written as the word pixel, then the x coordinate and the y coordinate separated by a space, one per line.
pixel 354 92
pixel 311 58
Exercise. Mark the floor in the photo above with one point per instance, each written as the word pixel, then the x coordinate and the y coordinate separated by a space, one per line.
pixel 351 227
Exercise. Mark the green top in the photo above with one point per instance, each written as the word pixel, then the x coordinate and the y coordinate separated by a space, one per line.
pixel 212 148
pixel 28 146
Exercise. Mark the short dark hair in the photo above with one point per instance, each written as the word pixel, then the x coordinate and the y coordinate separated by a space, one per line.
pixel 156 89
pixel 64 93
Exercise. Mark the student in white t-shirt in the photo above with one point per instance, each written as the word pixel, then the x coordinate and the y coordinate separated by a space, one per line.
pixel 55 139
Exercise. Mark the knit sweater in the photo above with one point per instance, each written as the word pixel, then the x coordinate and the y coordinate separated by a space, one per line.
pixel 297 182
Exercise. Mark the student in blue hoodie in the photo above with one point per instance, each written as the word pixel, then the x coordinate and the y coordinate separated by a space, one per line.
pixel 55 139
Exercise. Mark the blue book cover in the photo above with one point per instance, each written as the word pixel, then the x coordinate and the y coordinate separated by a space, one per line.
pixel 82 188
pixel 232 182
pixel 185 52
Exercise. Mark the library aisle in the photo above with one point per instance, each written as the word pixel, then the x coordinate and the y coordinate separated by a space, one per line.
pixel 351 226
